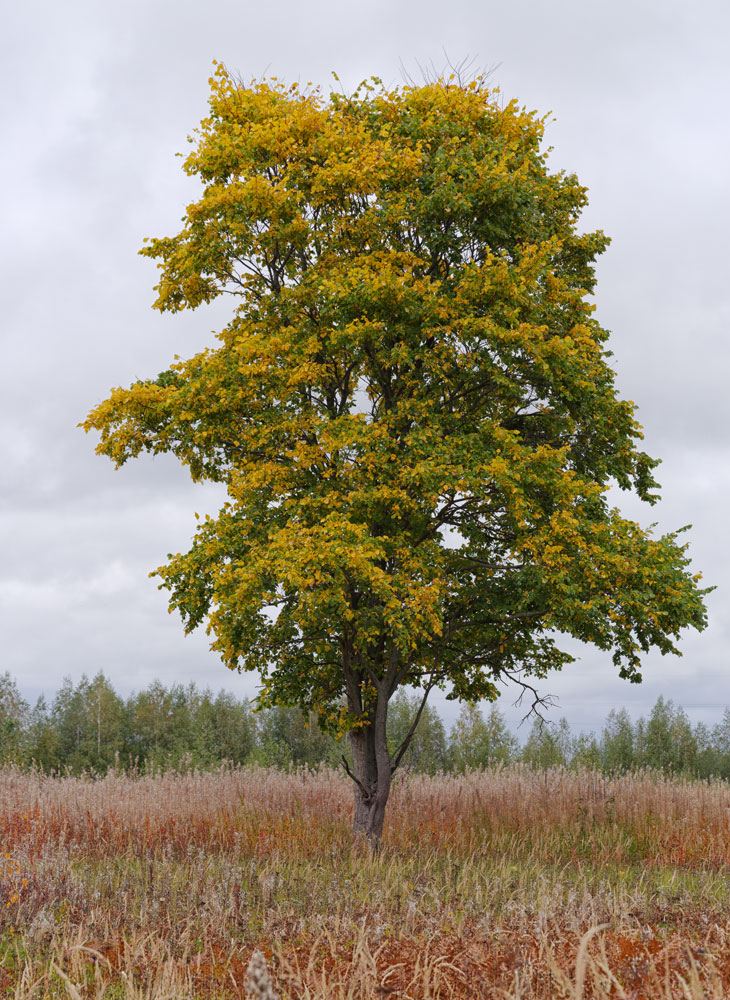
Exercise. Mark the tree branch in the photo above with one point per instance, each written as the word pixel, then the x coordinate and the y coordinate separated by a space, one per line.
pixel 411 732
pixel 538 701
pixel 367 796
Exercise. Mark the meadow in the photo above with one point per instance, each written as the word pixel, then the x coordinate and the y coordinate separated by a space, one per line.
pixel 503 883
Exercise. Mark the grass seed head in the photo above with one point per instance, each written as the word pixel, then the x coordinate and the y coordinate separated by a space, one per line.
pixel 259 985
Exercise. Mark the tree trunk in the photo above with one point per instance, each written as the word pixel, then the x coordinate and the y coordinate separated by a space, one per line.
pixel 372 774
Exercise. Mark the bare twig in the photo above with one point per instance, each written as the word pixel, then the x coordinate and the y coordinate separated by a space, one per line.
pixel 538 701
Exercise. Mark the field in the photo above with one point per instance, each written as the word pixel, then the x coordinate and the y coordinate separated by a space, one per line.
pixel 504 884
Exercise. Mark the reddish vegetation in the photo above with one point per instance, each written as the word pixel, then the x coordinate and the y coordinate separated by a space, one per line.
pixel 501 884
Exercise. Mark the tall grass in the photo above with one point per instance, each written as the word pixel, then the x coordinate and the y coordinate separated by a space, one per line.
pixel 502 883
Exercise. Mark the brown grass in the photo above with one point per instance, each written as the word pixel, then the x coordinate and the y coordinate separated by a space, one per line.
pixel 500 884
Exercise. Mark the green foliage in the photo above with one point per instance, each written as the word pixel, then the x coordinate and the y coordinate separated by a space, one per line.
pixel 90 728
pixel 14 712
pixel 586 752
pixel 181 724
pixel 412 358
pixel 234 727
pixel 548 745
pixel 42 739
pixel 708 760
pixel 411 409
pixel 618 754
pixel 159 723
pixel 88 725
pixel 479 742
pixel 667 741
pixel 427 751
pixel 286 736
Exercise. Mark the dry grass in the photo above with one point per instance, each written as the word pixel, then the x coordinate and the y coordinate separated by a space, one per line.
pixel 503 884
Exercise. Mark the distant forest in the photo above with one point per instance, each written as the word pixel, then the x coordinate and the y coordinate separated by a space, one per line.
pixel 89 727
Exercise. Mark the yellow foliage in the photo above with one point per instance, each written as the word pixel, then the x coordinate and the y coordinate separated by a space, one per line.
pixel 411 407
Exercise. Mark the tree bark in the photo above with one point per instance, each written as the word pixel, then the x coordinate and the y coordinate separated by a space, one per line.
pixel 372 779
pixel 372 770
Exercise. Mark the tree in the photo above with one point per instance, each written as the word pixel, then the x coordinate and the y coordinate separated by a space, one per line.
pixel 668 742
pixel 479 742
pixel 43 738
pixel 411 409
pixel 586 752
pixel 426 750
pixel 708 761
pixel 617 743
pixel 549 744
pixel 235 728
pixel 88 723
pixel 721 744
pixel 287 736
pixel 159 722
pixel 14 717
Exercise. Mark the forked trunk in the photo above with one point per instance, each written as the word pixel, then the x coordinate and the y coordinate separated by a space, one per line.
pixel 372 774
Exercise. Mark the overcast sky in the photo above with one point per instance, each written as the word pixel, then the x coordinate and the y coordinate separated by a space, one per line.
pixel 96 100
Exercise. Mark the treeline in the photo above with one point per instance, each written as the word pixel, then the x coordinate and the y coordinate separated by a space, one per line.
pixel 89 727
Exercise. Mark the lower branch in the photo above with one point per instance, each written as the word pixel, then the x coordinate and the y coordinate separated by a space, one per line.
pixel 411 732
pixel 365 793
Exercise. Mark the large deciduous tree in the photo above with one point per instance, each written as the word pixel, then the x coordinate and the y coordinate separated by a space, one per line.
pixel 411 409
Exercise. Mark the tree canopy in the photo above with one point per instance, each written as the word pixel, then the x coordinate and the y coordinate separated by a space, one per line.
pixel 411 408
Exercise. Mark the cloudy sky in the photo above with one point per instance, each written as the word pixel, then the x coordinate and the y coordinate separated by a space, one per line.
pixel 96 100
